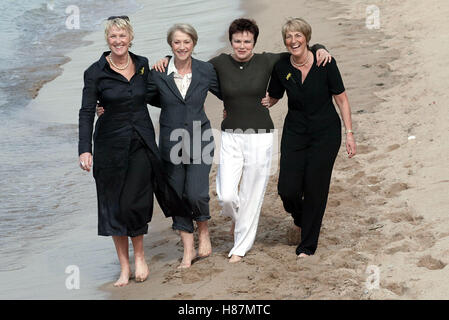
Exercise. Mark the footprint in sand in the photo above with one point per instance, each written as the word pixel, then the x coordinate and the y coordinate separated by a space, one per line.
pixel 397 288
pixel 424 238
pixel 157 257
pixel 333 203
pixel 336 189
pixel 393 147
pixel 397 217
pixel 159 243
pixel 431 263
pixel 372 180
pixel 356 177
pixel 395 189
pixel 405 247
pixel 183 296
pixel 363 149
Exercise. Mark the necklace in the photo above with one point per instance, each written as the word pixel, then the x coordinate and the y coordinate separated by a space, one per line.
pixel 115 66
pixel 299 65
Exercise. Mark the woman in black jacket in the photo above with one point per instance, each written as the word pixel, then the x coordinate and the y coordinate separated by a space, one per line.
pixel 127 165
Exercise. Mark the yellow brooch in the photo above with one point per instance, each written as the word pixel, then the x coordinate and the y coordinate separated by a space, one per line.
pixel 288 76
pixel 142 70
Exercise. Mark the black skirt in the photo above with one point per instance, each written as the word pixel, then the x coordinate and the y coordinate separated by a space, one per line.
pixel 136 195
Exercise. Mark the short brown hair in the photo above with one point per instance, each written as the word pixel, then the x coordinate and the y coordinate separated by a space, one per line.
pixel 297 24
pixel 242 25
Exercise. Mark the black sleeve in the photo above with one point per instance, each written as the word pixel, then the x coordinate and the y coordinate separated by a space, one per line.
pixel 318 46
pixel 87 112
pixel 275 88
pixel 335 82
pixel 152 96
pixel 214 86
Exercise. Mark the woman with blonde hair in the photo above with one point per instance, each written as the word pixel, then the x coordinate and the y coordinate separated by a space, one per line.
pixel 126 164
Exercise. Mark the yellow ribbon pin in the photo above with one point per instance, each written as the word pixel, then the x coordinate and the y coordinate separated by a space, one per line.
pixel 142 70
pixel 288 76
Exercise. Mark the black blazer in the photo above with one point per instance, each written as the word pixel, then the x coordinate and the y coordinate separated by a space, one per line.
pixel 179 113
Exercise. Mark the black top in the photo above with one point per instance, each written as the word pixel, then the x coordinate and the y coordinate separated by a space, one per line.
pixel 124 103
pixel 310 106
pixel 243 85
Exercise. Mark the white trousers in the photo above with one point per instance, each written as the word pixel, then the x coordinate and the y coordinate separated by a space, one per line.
pixel 244 159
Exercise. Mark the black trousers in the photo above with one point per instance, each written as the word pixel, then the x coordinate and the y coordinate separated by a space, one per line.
pixel 306 167
pixel 191 183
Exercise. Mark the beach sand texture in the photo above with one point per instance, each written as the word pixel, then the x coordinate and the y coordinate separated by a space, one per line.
pixel 387 207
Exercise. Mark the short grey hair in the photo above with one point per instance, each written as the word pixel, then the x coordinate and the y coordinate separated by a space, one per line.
pixel 185 28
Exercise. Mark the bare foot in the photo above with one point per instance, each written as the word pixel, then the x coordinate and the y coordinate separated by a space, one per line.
pixel 302 255
pixel 235 258
pixel 142 270
pixel 125 275
pixel 204 245
pixel 187 259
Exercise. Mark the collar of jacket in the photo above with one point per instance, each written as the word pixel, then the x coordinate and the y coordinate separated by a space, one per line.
pixel 169 78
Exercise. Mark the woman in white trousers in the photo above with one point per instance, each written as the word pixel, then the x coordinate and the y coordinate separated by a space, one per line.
pixel 245 159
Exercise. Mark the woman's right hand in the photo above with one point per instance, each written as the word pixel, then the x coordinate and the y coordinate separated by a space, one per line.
pixel 160 65
pixel 86 161
pixel 100 110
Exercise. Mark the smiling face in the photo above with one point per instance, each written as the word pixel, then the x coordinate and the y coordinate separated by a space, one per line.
pixel 243 45
pixel 118 41
pixel 296 43
pixel 182 45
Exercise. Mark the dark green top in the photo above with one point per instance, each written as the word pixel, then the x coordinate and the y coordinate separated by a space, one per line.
pixel 243 85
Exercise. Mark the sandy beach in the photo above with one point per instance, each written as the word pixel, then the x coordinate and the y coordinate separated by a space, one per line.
pixel 386 217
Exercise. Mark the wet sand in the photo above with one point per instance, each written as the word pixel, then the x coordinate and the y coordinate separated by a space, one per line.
pixel 387 208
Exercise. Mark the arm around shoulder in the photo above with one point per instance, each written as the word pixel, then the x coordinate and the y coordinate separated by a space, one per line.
pixel 152 94
pixel 214 86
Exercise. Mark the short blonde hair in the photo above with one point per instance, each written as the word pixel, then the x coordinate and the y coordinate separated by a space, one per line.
pixel 297 24
pixel 185 28
pixel 119 23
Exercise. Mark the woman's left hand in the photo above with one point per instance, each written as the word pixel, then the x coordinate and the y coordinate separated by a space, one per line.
pixel 268 101
pixel 351 147
pixel 322 57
